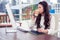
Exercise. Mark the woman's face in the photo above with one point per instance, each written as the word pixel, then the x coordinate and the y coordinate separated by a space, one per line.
pixel 40 7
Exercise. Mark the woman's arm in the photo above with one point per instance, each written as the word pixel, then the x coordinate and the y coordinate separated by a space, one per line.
pixel 52 27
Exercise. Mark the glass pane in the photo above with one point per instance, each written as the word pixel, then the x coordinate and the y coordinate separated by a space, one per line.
pixel 3 16
pixel 25 1
pixel 3 12
pixel 14 2
pixel 28 11
pixel 15 11
pixel 16 14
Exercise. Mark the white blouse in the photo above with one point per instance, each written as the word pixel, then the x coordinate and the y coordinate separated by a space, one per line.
pixel 52 24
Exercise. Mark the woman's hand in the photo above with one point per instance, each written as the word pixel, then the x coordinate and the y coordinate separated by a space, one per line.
pixel 42 30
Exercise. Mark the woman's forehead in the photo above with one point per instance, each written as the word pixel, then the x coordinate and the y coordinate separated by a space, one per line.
pixel 40 5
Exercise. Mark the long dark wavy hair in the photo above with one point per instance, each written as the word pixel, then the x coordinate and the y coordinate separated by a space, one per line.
pixel 46 16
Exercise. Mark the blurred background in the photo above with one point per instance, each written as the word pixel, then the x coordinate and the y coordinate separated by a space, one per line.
pixel 27 7
pixel 22 11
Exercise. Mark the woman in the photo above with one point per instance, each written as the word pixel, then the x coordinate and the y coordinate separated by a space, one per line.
pixel 44 22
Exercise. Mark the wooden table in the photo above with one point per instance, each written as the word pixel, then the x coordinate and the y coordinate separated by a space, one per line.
pixel 32 36
pixel 26 36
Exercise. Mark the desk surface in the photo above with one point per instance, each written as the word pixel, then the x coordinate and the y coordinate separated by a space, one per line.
pixel 26 36
pixel 32 36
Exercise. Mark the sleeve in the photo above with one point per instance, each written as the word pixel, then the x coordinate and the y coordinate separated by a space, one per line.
pixel 52 26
